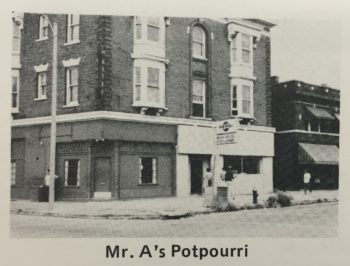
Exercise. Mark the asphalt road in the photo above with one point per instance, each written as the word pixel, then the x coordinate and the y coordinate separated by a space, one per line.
pixel 317 220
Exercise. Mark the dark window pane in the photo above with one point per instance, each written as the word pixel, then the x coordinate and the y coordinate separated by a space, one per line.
pixel 251 165
pixel 146 172
pixel 197 110
pixel 72 172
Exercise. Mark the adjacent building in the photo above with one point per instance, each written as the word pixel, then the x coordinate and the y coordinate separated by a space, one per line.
pixel 139 102
pixel 307 118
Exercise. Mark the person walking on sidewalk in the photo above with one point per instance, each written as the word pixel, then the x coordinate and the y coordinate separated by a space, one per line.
pixel 307 181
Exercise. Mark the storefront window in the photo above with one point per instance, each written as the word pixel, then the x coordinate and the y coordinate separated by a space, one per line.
pixel 243 164
pixel 71 172
pixel 148 170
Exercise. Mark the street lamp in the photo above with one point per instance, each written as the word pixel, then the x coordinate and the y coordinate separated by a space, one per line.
pixel 53 27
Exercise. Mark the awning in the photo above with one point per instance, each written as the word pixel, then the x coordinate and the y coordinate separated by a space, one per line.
pixel 318 154
pixel 337 116
pixel 319 113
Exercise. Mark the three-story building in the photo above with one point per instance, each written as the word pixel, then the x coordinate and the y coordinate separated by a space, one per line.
pixel 138 103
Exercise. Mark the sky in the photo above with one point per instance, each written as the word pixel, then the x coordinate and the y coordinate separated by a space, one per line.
pixel 306 50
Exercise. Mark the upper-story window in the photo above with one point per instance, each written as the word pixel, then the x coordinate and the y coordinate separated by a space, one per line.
pixel 149 83
pixel 242 100
pixel 73 28
pixel 43 28
pixel 198 97
pixel 198 42
pixel 242 49
pixel 15 91
pixel 72 86
pixel 16 41
pixel 41 86
pixel 149 29
pixel 13 173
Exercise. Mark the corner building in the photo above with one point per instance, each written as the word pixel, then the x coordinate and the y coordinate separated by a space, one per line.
pixel 138 101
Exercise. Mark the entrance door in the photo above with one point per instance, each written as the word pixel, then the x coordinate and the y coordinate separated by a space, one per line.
pixel 102 174
pixel 196 175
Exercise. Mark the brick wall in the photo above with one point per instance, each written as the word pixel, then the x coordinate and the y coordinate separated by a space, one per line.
pixel 40 52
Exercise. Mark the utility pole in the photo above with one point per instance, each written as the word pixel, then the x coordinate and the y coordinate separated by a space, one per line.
pixel 53 116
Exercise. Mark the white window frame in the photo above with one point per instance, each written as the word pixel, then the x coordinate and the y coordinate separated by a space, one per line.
pixel 66 167
pixel 154 170
pixel 15 75
pixel 13 173
pixel 203 102
pixel 70 28
pixel 239 83
pixel 72 63
pixel 143 21
pixel 16 42
pixel 41 90
pixel 43 28
pixel 143 65
pixel 236 45
pixel 203 43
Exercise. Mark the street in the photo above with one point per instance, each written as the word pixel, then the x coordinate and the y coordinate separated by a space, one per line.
pixel 317 220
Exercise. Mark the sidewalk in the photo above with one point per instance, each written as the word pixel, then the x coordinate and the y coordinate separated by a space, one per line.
pixel 155 208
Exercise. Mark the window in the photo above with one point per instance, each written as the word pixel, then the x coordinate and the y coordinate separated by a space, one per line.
pixel 41 86
pixel 15 94
pixel 246 99
pixel 149 83
pixel 72 86
pixel 43 28
pixel 242 49
pixel 148 170
pixel 242 99
pixel 198 98
pixel 153 85
pixel 71 172
pixel 13 173
pixel 243 164
pixel 137 83
pixel 16 41
pixel 149 29
pixel 246 49
pixel 153 29
pixel 198 42
pixel 234 106
pixel 72 28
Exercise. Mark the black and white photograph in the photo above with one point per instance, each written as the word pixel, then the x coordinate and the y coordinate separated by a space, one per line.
pixel 159 126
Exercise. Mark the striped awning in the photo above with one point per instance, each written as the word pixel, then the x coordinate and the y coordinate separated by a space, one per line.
pixel 318 154
pixel 337 116
pixel 319 113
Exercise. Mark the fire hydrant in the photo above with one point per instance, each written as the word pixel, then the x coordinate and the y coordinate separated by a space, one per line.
pixel 255 196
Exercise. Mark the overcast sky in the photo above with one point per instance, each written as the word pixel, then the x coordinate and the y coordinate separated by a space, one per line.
pixel 307 50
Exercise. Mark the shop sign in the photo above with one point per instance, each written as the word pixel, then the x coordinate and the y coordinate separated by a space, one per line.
pixel 226 132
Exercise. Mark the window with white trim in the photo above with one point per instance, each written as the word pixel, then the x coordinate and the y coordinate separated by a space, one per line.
pixel 198 42
pixel 149 83
pixel 15 91
pixel 43 27
pixel 148 170
pixel 234 101
pixel 242 49
pixel 72 86
pixel 198 98
pixel 13 173
pixel 242 99
pixel 73 28
pixel 16 40
pixel 72 172
pixel 244 164
pixel 41 86
pixel 149 29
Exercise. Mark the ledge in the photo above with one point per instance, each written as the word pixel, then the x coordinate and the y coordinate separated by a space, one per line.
pixel 42 39
pixel 71 42
pixel 40 99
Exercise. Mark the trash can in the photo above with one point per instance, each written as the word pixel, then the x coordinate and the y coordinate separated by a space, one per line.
pixel 43 194
pixel 222 193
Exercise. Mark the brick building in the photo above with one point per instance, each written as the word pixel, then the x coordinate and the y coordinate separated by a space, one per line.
pixel 306 118
pixel 138 102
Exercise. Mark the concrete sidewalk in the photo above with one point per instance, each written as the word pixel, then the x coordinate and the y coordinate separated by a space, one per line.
pixel 155 208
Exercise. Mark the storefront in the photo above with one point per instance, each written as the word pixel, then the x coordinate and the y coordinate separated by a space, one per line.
pixel 251 154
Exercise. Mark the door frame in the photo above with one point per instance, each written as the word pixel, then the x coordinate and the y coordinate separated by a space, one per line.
pixel 94 177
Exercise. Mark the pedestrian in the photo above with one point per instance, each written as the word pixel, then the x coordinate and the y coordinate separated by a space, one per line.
pixel 229 177
pixel 208 187
pixel 229 174
pixel 307 181
pixel 223 174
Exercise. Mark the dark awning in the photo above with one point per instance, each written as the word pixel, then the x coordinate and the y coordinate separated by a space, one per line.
pixel 318 154
pixel 319 113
